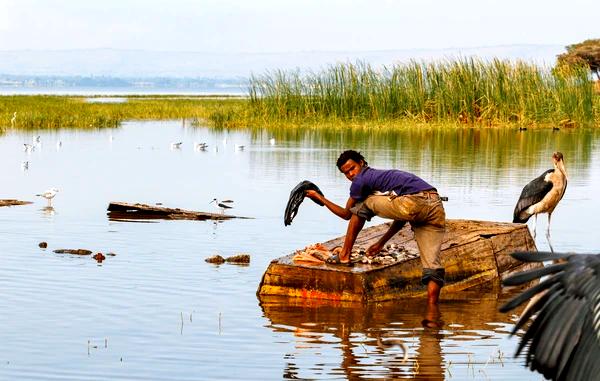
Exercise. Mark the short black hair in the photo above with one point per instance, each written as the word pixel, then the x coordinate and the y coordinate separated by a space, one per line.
pixel 350 155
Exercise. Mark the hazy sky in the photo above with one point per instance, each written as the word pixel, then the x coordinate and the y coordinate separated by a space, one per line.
pixel 288 26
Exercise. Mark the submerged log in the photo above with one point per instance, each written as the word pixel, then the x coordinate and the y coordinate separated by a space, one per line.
pixel 474 253
pixel 12 202
pixel 126 211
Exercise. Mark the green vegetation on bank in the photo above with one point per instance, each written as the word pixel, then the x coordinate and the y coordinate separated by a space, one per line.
pixel 348 96
pixel 466 91
pixel 43 111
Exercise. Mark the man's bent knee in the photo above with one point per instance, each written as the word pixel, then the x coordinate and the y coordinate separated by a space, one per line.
pixel 436 275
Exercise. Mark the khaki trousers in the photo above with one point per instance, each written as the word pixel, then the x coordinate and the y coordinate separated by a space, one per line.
pixel 425 213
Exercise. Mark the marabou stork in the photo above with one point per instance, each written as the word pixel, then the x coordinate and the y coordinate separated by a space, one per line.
pixel 563 339
pixel 542 194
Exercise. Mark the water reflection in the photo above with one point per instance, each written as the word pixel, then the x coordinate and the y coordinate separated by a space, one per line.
pixel 468 150
pixel 48 212
pixel 136 298
pixel 394 340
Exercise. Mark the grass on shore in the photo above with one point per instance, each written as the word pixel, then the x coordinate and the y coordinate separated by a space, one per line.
pixel 50 112
pixel 469 91
pixel 348 96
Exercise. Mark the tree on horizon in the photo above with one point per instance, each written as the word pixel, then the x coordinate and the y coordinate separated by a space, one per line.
pixel 586 53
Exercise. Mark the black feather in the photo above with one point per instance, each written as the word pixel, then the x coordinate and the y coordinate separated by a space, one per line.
pixel 563 339
pixel 531 194
pixel 296 198
pixel 527 294
pixel 528 276
pixel 538 256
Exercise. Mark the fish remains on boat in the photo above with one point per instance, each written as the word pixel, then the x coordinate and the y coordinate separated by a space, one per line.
pixel 296 198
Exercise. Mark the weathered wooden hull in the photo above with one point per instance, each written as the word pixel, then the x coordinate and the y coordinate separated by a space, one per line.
pixel 474 253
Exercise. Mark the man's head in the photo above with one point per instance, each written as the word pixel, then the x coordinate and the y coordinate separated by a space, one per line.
pixel 350 163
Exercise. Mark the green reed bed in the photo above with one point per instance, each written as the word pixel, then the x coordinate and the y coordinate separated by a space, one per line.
pixel 40 112
pixel 466 91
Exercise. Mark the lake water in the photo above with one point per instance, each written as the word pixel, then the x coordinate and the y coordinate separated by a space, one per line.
pixel 157 310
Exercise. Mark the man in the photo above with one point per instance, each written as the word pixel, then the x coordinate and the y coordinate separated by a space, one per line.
pixel 397 195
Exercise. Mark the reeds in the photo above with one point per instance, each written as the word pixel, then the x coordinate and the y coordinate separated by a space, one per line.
pixel 468 91
pixel 48 112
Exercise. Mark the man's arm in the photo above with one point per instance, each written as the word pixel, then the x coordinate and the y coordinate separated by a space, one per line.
pixel 377 246
pixel 339 211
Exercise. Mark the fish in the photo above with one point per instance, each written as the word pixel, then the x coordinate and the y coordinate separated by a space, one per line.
pixel 296 198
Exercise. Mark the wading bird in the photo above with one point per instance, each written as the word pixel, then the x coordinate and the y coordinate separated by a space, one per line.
pixel 176 145
pixel 563 339
pixel 13 120
pixel 28 148
pixel 49 195
pixel 200 146
pixel 225 204
pixel 542 195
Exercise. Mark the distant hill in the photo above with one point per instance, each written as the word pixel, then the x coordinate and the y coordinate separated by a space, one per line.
pixel 143 64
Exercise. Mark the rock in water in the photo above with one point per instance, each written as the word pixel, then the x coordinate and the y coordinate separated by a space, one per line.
pixel 239 258
pixel 216 259
pixel 296 198
pixel 99 257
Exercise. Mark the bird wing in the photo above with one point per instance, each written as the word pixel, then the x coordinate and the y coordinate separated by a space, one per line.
pixel 296 198
pixel 531 194
pixel 563 339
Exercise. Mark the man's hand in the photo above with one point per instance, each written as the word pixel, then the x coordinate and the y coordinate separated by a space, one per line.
pixel 313 195
pixel 374 249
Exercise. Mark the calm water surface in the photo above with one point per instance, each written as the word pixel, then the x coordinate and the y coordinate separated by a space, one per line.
pixel 156 310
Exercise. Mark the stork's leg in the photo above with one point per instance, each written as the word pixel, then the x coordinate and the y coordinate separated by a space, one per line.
pixel 534 226
pixel 548 233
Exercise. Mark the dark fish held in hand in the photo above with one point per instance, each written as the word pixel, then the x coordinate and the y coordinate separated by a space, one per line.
pixel 296 198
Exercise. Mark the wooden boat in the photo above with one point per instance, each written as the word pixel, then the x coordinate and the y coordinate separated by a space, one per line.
pixel 124 211
pixel 474 254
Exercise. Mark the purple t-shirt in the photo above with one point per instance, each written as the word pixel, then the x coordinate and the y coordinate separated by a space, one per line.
pixel 371 180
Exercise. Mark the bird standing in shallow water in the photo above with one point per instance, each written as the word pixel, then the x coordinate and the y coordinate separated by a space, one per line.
pixel 542 195
pixel 223 204
pixel 49 195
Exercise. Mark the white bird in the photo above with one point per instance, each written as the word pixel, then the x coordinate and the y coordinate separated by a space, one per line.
pixel 272 141
pixel 36 139
pixel 28 148
pixel 58 145
pixel 25 165
pixel 13 120
pixel 110 137
pixel 239 147
pixel 222 205
pixel 49 195
pixel 176 145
